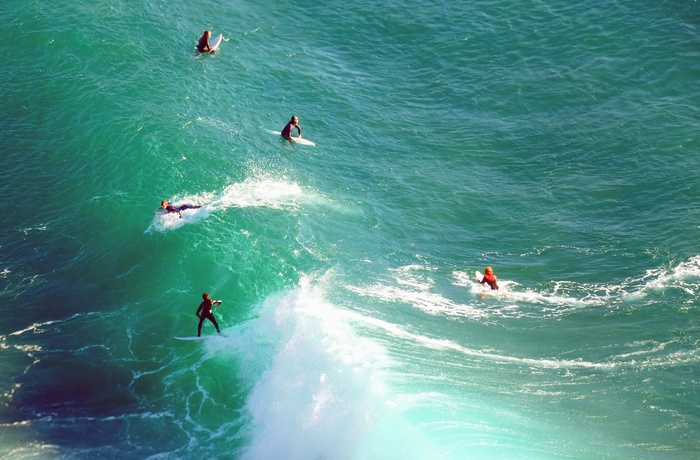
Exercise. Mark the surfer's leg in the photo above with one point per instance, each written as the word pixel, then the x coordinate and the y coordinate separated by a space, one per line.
pixel 199 327
pixel 216 325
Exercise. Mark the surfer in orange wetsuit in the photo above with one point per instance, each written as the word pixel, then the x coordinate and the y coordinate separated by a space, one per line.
pixel 287 131
pixel 205 311
pixel 203 45
pixel 489 278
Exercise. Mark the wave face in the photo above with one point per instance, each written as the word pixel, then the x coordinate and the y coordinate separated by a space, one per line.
pixel 555 143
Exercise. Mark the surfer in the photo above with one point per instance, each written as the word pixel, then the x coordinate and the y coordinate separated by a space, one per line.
pixel 287 131
pixel 170 208
pixel 489 278
pixel 205 311
pixel 203 45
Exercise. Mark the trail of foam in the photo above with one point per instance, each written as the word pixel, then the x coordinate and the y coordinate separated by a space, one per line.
pixel 268 193
pixel 415 288
pixel 514 292
pixel 253 192
pixel 569 296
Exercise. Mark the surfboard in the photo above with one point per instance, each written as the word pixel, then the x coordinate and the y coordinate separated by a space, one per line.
pixel 214 44
pixel 193 338
pixel 484 289
pixel 162 212
pixel 296 140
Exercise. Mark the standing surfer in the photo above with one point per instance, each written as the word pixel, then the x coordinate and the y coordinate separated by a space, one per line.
pixel 206 311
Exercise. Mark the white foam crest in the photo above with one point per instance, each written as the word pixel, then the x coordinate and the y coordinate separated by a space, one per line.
pixel 36 328
pixel 429 302
pixel 445 344
pixel 410 275
pixel 534 297
pixel 685 276
pixel 323 386
pixel 650 353
pixel 415 288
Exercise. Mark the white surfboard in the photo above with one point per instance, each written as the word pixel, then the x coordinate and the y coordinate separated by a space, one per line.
pixel 296 140
pixel 214 44
pixel 479 276
pixel 193 338
pixel 162 212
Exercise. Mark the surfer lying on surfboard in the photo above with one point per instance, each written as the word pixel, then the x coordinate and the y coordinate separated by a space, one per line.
pixel 206 311
pixel 168 207
pixel 287 131
pixel 489 278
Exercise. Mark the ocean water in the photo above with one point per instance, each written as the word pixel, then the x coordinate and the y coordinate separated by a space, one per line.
pixel 554 141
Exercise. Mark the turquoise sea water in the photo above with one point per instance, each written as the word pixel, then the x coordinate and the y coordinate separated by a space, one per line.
pixel 554 141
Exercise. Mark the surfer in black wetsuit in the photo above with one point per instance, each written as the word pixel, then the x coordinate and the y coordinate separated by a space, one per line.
pixel 203 45
pixel 287 131
pixel 168 207
pixel 205 311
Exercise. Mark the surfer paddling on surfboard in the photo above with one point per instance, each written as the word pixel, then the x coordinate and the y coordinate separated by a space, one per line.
pixel 489 278
pixel 287 131
pixel 164 205
pixel 206 311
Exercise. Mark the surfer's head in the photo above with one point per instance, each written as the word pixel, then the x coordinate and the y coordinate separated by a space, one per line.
pixel 295 119
pixel 488 271
pixel 207 33
pixel 205 296
pixel 163 204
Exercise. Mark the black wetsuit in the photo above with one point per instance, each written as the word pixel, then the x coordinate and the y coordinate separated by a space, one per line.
pixel 287 131
pixel 203 45
pixel 171 208
pixel 205 311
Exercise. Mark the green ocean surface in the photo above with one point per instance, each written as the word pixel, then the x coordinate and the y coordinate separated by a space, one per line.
pixel 556 142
